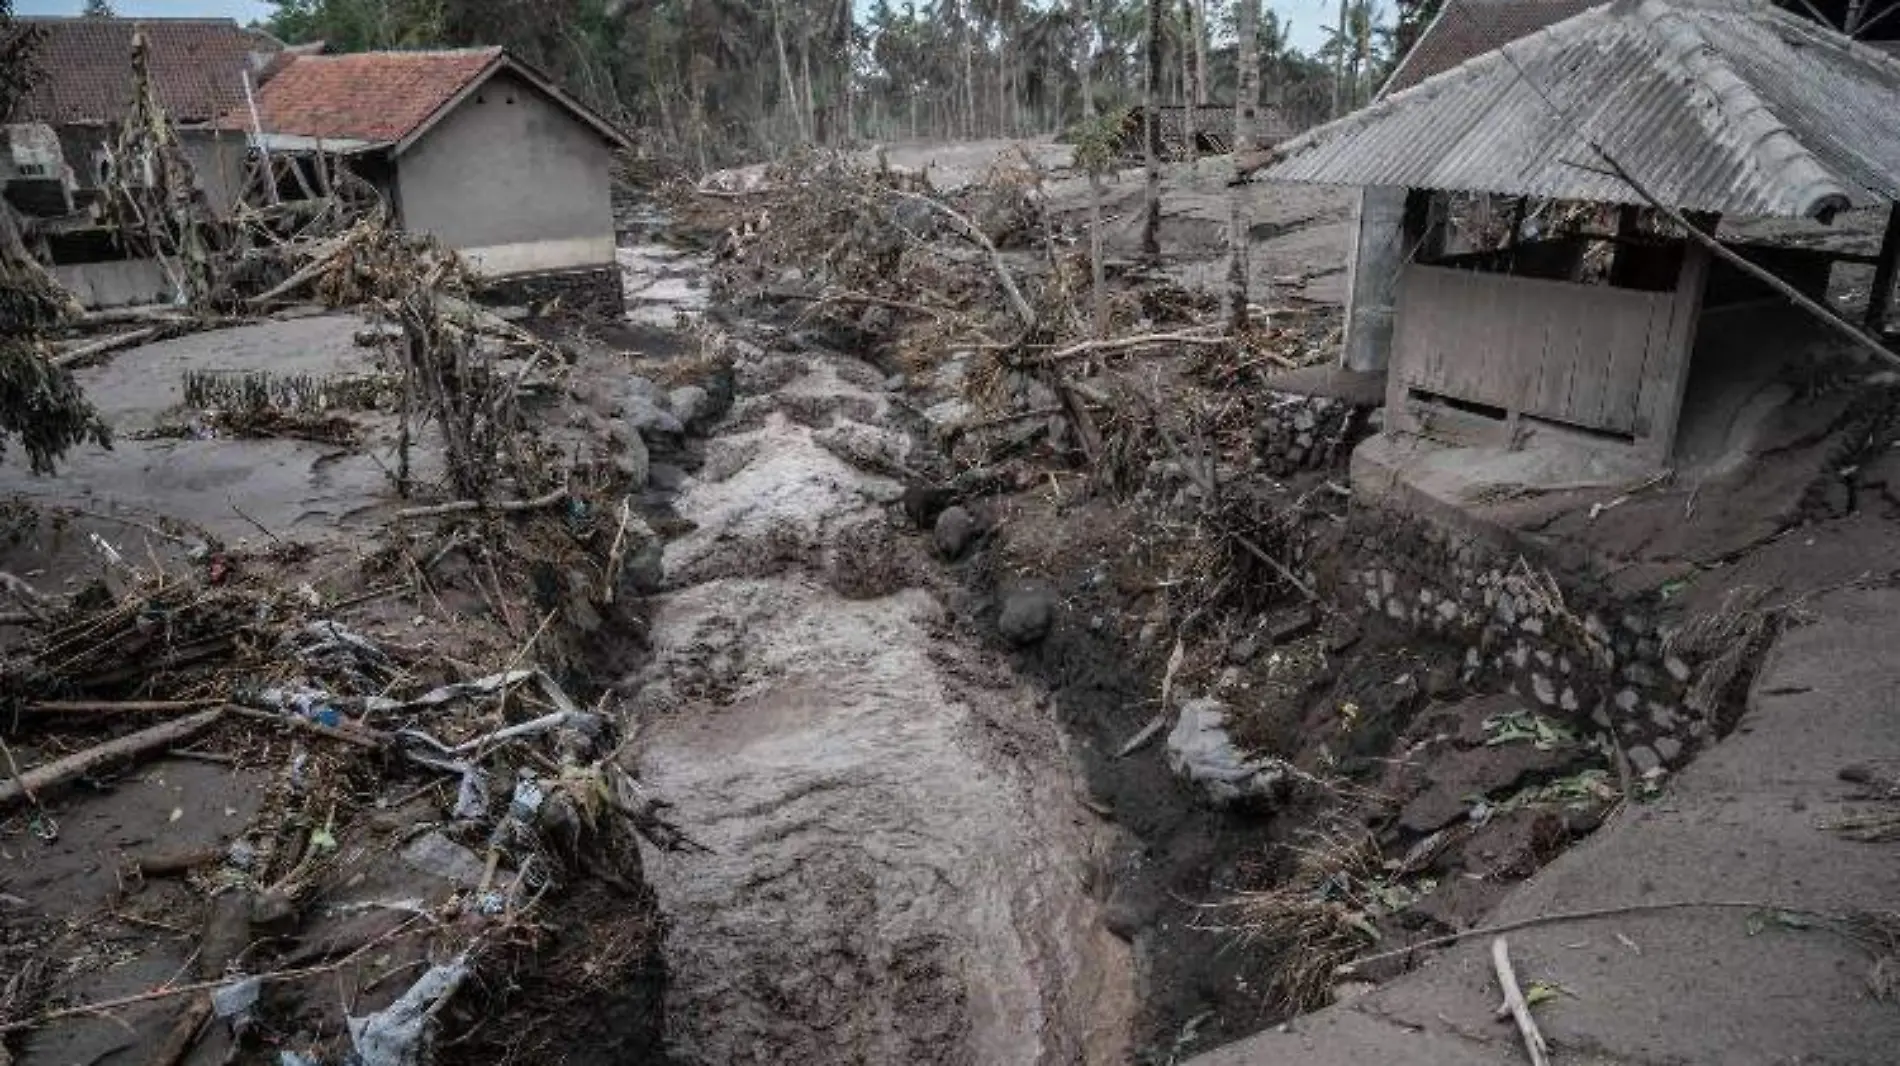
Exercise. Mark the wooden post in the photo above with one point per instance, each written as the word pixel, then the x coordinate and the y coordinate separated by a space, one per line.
pixel 1660 410
pixel 1629 219
pixel 1881 295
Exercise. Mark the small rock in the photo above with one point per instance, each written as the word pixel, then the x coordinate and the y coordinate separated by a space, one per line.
pixel 1291 625
pixel 666 477
pixel 689 404
pixel 1677 669
pixel 1627 699
pixel 1341 633
pixel 649 419
pixel 634 462
pixel 434 853
pixel 644 572
pixel 1546 692
pixel 1027 615
pixel 1242 651
pixel 1644 760
pixel 1533 625
pixel 1130 909
pixel 1669 749
pixel 955 528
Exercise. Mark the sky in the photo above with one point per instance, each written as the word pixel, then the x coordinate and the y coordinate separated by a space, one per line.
pixel 1307 16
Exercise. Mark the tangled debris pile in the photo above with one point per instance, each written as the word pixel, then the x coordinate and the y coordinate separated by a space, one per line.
pixel 444 829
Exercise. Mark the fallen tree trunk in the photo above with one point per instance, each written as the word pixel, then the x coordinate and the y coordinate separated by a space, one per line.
pixel 144 742
pixel 107 346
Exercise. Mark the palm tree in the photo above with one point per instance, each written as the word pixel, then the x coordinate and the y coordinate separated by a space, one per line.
pixel 1151 134
pixel 1246 104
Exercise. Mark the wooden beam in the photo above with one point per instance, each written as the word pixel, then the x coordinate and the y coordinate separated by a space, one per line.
pixel 1881 295
pixel 1629 219
pixel 1660 413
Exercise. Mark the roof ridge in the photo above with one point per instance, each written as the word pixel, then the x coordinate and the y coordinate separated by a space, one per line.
pixel 1462 71
pixel 1765 137
pixel 487 49
pixel 209 20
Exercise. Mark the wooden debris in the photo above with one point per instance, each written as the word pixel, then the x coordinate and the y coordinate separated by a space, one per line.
pixel 118 706
pixel 470 506
pixel 1515 1004
pixel 145 742
pixel 86 352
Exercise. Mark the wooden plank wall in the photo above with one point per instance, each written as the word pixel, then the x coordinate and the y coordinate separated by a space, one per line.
pixel 1577 354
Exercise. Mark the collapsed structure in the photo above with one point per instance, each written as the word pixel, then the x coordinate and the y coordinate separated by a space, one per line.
pixel 1702 108
pixel 62 152
pixel 470 147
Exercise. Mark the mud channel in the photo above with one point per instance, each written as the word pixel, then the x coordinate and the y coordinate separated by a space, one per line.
pixel 898 863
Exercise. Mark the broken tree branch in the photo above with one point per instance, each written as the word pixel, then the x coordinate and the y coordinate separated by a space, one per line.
pixel 1514 1002
pixel 305 274
pixel 357 735
pixel 1119 344
pixel 499 506
pixel 106 1007
pixel 1592 914
pixel 85 352
pixel 144 742
pixel 118 706
pixel 1737 260
pixel 971 232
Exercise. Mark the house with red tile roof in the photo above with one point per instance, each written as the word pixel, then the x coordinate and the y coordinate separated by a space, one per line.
pixel 472 147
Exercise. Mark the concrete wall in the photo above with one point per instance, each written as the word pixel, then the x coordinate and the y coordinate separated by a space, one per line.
pixel 513 180
pixel 115 283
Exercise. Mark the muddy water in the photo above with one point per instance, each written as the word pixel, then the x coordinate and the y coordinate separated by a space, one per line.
pixel 900 868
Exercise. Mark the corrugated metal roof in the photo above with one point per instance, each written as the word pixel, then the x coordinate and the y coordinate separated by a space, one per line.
pixel 1731 106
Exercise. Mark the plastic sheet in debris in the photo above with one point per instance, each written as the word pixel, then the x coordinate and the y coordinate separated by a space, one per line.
pixel 486 686
pixel 401 1033
pixel 235 1001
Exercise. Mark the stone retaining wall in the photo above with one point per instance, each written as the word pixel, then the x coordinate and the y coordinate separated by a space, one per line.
pixel 1566 647
pixel 1294 432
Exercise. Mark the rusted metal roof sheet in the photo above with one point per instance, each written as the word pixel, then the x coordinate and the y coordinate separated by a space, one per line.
pixel 1731 106
pixel 1466 28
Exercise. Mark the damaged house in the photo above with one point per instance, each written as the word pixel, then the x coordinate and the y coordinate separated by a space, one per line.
pixel 471 147
pixel 58 155
pixel 1587 315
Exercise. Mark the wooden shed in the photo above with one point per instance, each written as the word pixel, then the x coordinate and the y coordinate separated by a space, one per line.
pixel 1713 107
pixel 1210 125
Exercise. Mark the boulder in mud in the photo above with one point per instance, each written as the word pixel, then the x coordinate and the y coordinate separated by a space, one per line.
pixel 632 461
pixel 1202 751
pixel 649 419
pixel 644 572
pixel 691 406
pixel 955 529
pixel 1028 612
